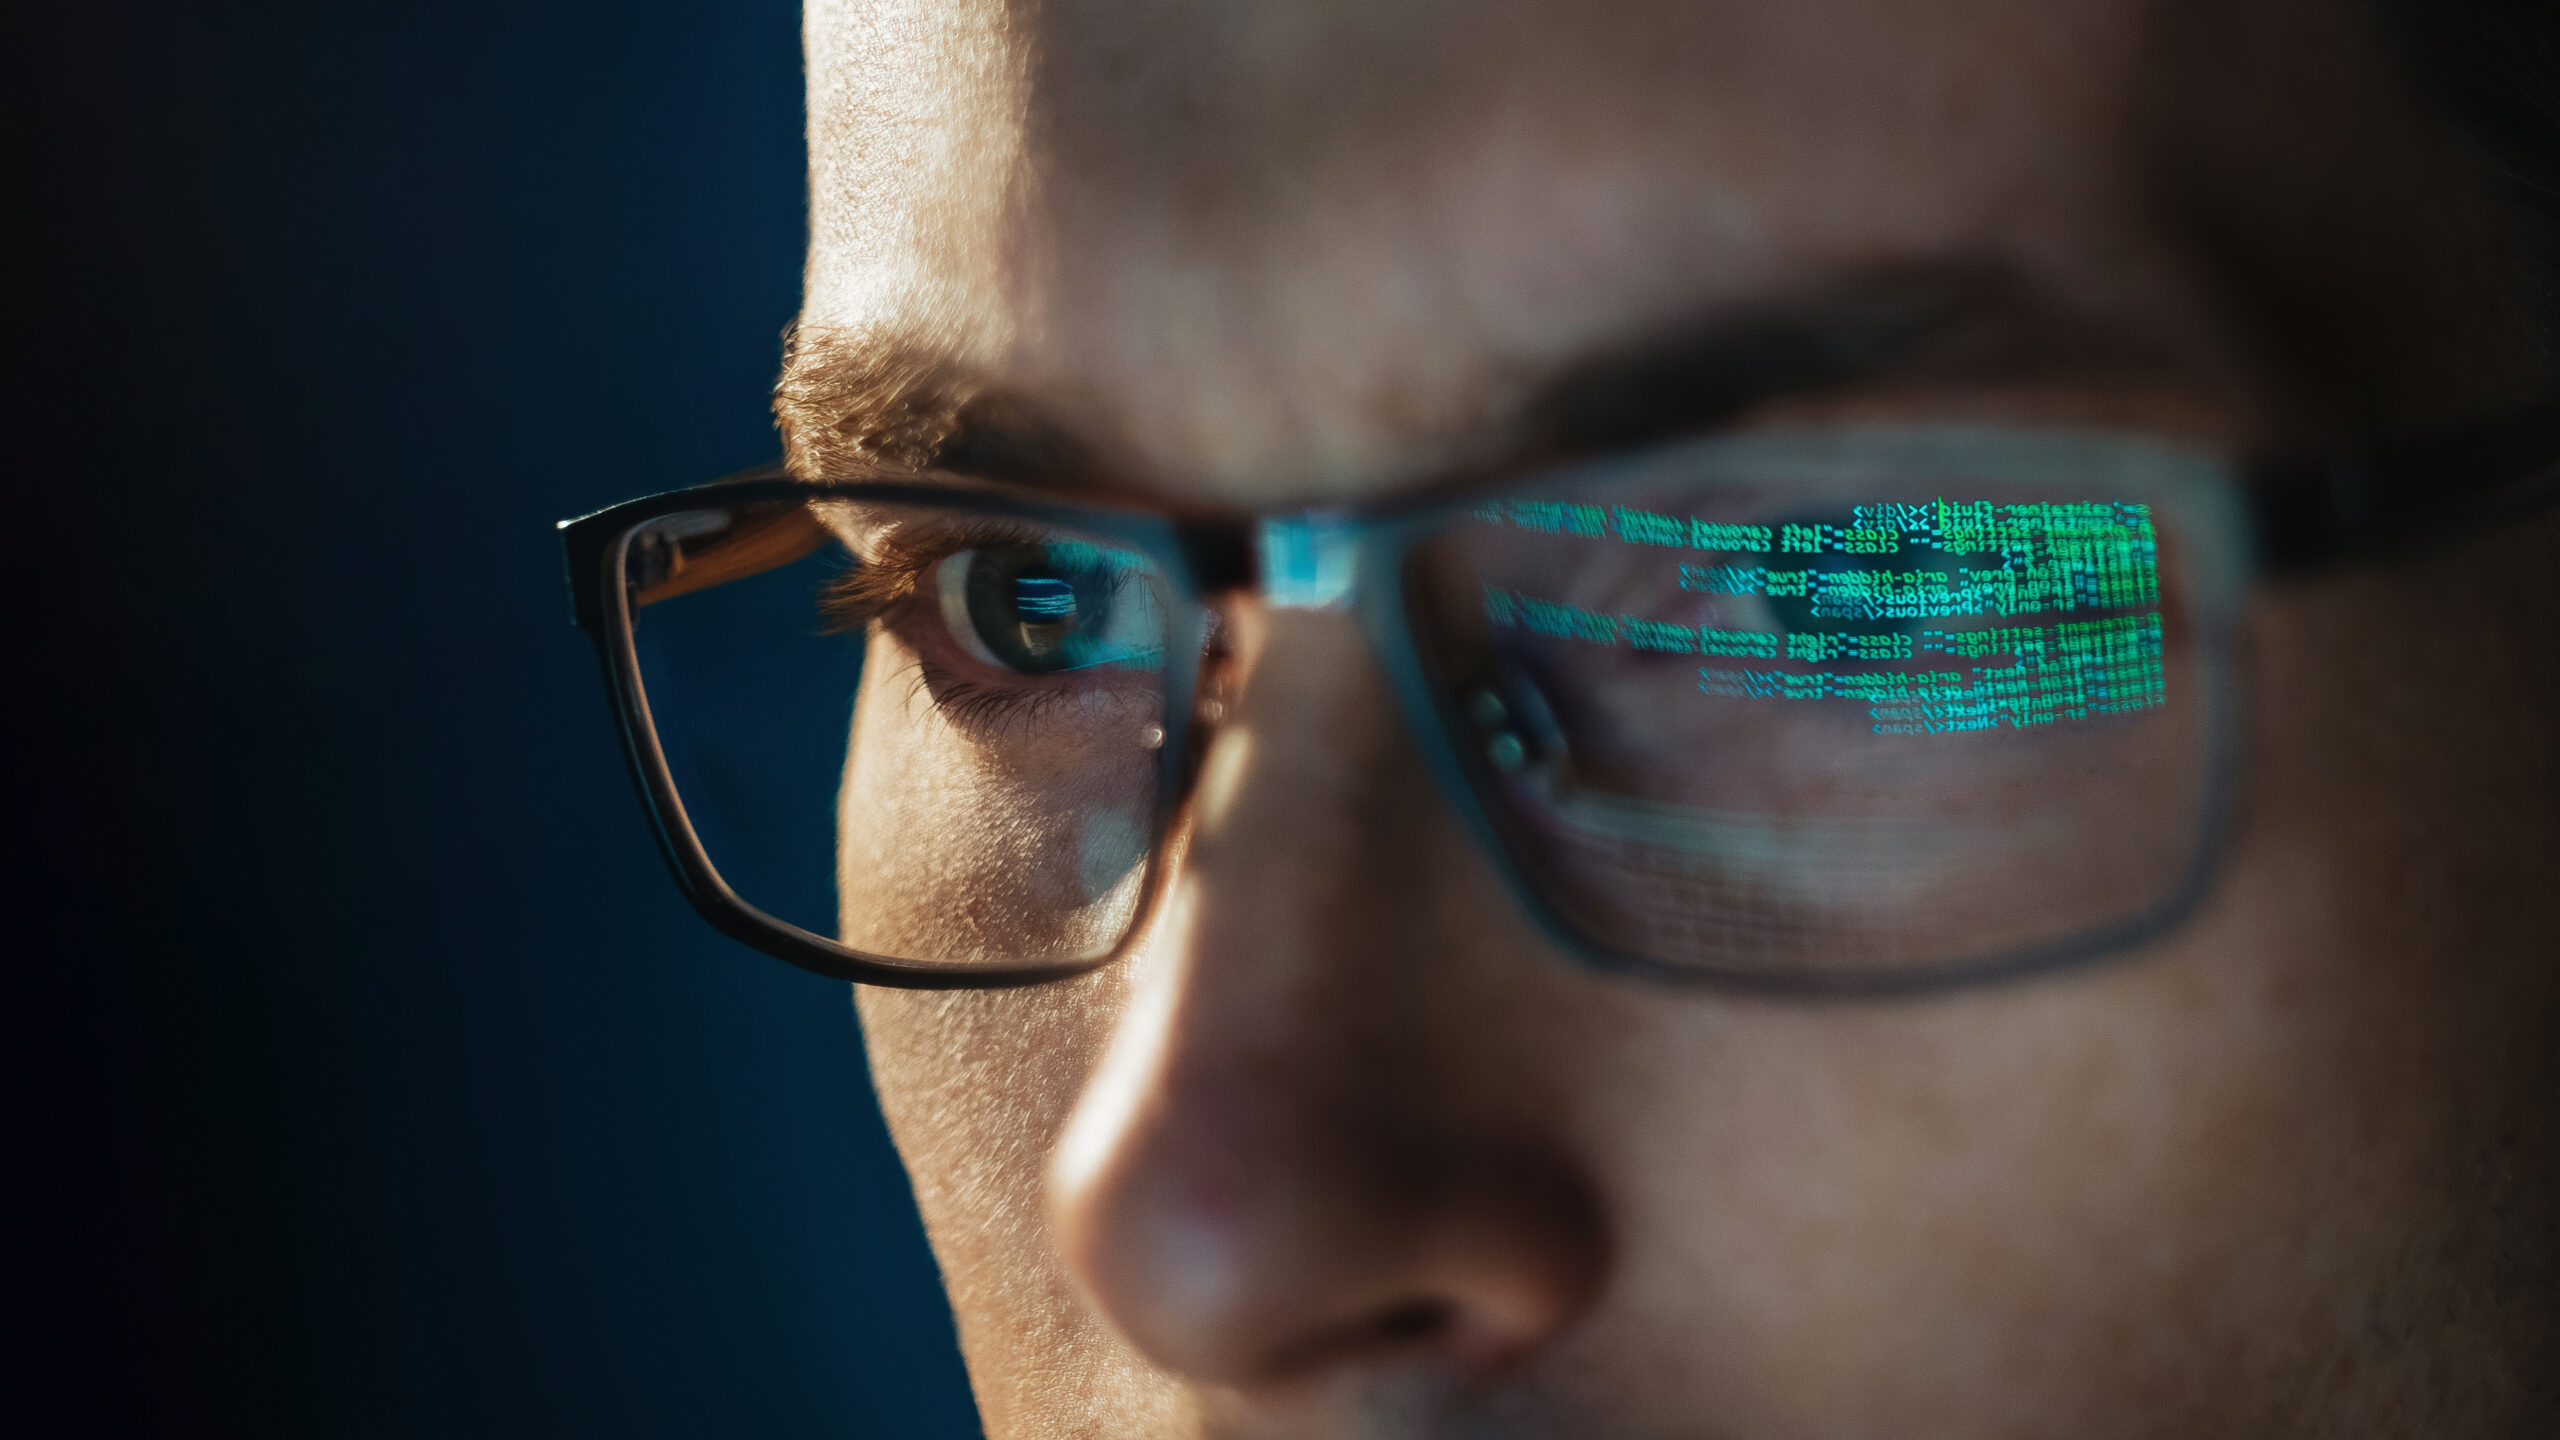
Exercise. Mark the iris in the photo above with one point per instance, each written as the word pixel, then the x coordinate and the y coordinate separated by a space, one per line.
pixel 1043 608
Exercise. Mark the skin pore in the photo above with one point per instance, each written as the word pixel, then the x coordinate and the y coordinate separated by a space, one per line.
pixel 1346 1149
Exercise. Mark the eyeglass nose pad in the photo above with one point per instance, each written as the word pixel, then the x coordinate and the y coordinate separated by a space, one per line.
pixel 1309 561
pixel 1514 728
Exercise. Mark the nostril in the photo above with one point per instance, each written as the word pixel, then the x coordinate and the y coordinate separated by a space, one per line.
pixel 1418 1320
pixel 1414 1325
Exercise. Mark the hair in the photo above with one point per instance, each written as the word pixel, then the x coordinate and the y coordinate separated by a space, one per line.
pixel 2494 65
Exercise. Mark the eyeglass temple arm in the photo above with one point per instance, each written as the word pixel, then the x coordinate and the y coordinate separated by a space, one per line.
pixel 2309 515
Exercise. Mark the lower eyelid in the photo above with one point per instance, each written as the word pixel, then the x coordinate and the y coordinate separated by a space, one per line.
pixel 946 653
pixel 970 703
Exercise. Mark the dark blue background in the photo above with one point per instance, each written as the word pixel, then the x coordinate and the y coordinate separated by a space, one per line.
pixel 370 1077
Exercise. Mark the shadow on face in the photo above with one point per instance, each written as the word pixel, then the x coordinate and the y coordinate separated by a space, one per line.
pixel 1347 1147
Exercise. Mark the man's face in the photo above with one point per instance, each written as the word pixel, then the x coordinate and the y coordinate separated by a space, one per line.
pixel 1347 1148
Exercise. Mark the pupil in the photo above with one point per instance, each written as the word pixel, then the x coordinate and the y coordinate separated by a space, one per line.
pixel 1034 609
pixel 1043 600
pixel 1042 608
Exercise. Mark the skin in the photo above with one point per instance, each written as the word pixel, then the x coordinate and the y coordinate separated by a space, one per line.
pixel 1346 1149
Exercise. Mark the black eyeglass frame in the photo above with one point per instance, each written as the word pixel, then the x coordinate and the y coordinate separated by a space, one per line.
pixel 2301 517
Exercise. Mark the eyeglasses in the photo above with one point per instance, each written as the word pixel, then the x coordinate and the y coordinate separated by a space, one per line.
pixel 1837 709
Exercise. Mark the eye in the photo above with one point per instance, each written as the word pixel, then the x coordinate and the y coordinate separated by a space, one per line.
pixel 1045 608
pixel 1906 589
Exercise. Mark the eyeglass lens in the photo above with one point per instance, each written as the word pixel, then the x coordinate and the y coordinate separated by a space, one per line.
pixel 1853 722
pixel 1869 723
pixel 929 734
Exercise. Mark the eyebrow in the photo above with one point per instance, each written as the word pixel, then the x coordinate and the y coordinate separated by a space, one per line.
pixel 931 418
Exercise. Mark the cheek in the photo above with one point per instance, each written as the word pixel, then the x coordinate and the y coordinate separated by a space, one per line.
pixel 2220 1167
pixel 975 1086
pixel 2065 1201
pixel 1000 842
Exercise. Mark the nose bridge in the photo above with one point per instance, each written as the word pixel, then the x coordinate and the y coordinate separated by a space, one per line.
pixel 1289 1157
pixel 1309 806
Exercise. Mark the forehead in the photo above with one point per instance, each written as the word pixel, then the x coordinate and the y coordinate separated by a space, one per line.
pixel 1307 248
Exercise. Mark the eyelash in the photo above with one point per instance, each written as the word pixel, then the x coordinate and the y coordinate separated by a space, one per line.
pixel 976 706
pixel 883 589
pixel 877 589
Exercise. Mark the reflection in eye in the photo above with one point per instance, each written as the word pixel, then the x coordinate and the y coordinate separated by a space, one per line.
pixel 1045 608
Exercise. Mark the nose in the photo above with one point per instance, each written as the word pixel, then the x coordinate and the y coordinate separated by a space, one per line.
pixel 1319 1137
